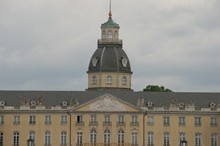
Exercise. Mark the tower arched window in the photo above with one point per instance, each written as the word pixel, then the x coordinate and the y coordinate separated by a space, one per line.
pixel 107 137
pixel 116 35
pixel 94 80
pixel 109 79
pixel 103 34
pixel 121 137
pixel 124 80
pixel 109 34
pixel 93 136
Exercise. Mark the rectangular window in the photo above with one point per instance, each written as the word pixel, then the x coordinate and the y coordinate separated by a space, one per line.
pixel 150 138
pixel 32 120
pixel 198 121
pixel 166 139
pixel 47 138
pixel 93 119
pixel 182 121
pixel 1 120
pixel 63 138
pixel 166 121
pixel 16 139
pixel 214 140
pixel 107 119
pixel 16 120
pixel 150 120
pixel 214 121
pixel 134 119
pixel 197 139
pixel 48 120
pixel 63 119
pixel 79 138
pixel 1 138
pixel 120 119
pixel 134 138
pixel 79 119
pixel 32 136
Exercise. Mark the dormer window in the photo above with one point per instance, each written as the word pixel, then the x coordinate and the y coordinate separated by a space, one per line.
pixel 109 80
pixel 109 34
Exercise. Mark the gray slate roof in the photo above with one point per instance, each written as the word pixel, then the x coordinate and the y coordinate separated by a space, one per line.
pixel 159 99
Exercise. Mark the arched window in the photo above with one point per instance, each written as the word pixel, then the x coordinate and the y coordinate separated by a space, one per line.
pixel 116 35
pixel 134 138
pixel 107 137
pixel 121 137
pixel 63 138
pixel 32 135
pixel 47 138
pixel 124 80
pixel 16 138
pixel 109 34
pixel 94 80
pixel 93 136
pixel 109 79
pixel 103 34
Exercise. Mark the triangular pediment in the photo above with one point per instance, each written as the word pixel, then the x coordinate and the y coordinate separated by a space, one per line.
pixel 106 103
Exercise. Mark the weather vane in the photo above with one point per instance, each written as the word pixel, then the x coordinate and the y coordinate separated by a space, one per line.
pixel 110 8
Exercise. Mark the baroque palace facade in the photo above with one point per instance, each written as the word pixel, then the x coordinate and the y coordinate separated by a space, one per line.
pixel 109 112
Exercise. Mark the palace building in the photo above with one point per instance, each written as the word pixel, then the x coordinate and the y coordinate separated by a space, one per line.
pixel 109 112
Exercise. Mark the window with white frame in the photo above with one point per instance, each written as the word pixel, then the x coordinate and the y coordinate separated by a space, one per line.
pixel 109 79
pixel 47 120
pixel 107 136
pixel 103 34
pixel 107 118
pixel 198 121
pixel 109 34
pixel 63 119
pixel 47 138
pixel 94 80
pixel 93 136
pixel 79 119
pixel 124 80
pixel 182 121
pixel 214 139
pixel 93 118
pixel 150 138
pixel 182 136
pixel 214 121
pixel 150 120
pixel 16 138
pixel 16 120
pixel 198 139
pixel 166 121
pixel 134 138
pixel 121 137
pixel 120 119
pixel 134 118
pixel 63 138
pixel 1 138
pixel 79 138
pixel 166 139
pixel 32 120
pixel 32 135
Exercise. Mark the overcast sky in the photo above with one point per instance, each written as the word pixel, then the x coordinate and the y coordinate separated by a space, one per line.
pixel 47 44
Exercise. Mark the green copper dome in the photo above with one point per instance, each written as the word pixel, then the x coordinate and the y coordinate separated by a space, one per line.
pixel 110 23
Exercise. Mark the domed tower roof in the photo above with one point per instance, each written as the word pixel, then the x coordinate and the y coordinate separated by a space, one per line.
pixel 109 58
pixel 109 67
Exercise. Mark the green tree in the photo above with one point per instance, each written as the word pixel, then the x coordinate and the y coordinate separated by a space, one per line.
pixel 156 88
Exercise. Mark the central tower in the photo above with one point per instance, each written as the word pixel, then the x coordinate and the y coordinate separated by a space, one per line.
pixel 109 66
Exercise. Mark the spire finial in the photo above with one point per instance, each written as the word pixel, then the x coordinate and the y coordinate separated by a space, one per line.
pixel 110 8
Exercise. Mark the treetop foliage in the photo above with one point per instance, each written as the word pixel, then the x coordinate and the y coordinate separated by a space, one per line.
pixel 156 88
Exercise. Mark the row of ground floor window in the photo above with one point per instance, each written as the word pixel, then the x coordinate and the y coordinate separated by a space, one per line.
pixel 107 138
